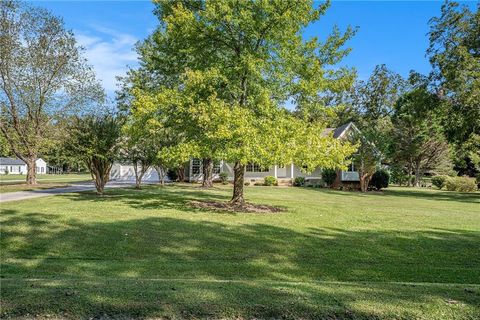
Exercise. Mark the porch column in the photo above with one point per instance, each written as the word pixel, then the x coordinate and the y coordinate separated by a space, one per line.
pixel 291 171
pixel 275 171
pixel 190 170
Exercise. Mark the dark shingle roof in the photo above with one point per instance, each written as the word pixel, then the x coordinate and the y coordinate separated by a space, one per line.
pixel 337 132
pixel 11 161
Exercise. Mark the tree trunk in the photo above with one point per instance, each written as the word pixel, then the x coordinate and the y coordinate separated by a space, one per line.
pixel 138 178
pixel 417 175
pixel 31 170
pixel 161 174
pixel 181 174
pixel 139 173
pixel 409 168
pixel 207 173
pixel 238 183
pixel 99 183
pixel 100 171
pixel 364 181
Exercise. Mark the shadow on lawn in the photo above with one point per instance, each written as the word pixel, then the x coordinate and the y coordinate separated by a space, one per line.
pixel 152 197
pixel 435 195
pixel 408 193
pixel 119 257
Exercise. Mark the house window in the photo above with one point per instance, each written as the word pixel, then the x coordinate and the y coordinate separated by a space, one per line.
pixel 196 163
pixel 19 169
pixel 254 167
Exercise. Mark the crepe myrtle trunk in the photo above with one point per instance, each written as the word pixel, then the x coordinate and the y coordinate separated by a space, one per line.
pixel 161 174
pixel 139 172
pixel 207 173
pixel 181 174
pixel 365 178
pixel 31 170
pixel 238 183
pixel 100 171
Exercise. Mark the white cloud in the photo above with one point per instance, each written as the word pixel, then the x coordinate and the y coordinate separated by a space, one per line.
pixel 109 52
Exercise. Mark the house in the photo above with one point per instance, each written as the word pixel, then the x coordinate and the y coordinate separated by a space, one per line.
pixel 253 172
pixel 17 166
pixel 285 174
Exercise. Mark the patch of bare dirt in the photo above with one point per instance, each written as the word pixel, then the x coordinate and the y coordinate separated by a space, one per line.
pixel 229 207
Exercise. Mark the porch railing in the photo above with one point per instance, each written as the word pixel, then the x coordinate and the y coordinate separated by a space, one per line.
pixel 350 176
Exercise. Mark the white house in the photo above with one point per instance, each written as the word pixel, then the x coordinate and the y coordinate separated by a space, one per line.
pixel 17 166
pixel 253 172
pixel 285 174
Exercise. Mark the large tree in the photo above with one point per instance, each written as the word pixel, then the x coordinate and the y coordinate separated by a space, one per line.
pixel 259 51
pixel 454 53
pixel 418 137
pixel 42 74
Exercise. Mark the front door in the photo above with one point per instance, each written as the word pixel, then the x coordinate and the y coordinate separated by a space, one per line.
pixel 281 171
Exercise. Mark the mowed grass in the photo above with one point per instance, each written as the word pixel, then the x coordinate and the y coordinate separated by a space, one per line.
pixel 400 254
pixel 16 182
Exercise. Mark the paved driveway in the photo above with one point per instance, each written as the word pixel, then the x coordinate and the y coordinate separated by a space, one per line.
pixel 78 187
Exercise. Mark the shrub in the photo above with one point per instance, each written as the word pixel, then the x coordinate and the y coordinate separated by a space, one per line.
pixel 380 179
pixel 223 177
pixel 246 184
pixel 299 182
pixel 258 184
pixel 329 176
pixel 461 184
pixel 270 181
pixel 439 181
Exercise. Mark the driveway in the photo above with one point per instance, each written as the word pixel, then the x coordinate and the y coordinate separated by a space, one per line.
pixel 77 187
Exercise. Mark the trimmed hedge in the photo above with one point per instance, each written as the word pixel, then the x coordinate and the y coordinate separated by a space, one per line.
pixel 380 179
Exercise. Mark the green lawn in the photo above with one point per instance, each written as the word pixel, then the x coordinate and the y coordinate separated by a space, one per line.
pixel 16 182
pixel 402 254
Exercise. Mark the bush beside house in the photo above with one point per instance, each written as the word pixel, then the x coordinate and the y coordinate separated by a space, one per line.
pixel 270 181
pixel 223 177
pixel 299 182
pixel 329 176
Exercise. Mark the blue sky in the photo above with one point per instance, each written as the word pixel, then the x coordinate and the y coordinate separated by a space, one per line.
pixel 390 32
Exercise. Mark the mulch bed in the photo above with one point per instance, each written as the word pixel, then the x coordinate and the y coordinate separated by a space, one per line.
pixel 226 206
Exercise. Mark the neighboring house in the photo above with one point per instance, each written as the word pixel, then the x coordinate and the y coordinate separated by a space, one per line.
pixel 17 166
pixel 253 172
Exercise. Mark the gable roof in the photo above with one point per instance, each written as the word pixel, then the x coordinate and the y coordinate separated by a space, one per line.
pixel 11 161
pixel 339 131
